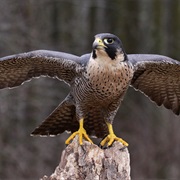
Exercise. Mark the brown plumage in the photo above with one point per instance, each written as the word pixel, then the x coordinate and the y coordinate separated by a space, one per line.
pixel 98 83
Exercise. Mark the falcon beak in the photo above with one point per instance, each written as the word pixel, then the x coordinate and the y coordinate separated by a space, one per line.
pixel 98 44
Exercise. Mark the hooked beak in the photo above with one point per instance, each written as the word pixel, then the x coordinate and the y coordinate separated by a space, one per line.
pixel 98 44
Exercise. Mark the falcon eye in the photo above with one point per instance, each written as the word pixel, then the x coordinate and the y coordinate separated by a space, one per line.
pixel 109 41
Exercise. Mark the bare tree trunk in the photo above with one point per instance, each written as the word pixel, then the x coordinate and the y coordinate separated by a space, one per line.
pixel 91 162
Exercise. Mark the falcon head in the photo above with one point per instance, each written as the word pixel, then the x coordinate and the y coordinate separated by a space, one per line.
pixel 107 44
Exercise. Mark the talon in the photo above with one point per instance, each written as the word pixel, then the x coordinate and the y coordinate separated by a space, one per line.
pixel 111 137
pixel 81 132
pixel 103 142
pixel 71 137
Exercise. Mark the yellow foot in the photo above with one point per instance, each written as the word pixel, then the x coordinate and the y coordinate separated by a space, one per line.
pixel 111 137
pixel 81 132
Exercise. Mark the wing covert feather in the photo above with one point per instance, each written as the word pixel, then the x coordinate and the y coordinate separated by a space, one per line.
pixel 158 77
pixel 16 69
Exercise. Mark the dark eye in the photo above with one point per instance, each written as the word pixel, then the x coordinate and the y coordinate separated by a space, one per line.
pixel 109 40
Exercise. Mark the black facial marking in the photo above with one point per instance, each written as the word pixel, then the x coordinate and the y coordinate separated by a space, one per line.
pixel 111 52
pixel 94 54
pixel 125 57
pixel 112 46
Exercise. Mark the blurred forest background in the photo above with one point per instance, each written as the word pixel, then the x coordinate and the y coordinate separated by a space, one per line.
pixel 144 26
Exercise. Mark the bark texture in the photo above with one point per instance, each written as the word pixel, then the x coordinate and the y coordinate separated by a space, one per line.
pixel 89 162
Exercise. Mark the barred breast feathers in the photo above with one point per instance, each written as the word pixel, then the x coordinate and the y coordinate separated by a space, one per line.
pixel 110 78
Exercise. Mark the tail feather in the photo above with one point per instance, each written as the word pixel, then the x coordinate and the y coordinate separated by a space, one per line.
pixel 63 118
pixel 95 124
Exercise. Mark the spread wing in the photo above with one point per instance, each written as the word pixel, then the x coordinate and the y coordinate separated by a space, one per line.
pixel 158 77
pixel 16 69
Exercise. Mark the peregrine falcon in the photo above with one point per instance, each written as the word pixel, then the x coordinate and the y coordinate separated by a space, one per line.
pixel 98 82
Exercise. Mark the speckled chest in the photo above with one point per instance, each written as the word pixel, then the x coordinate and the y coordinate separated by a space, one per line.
pixel 109 80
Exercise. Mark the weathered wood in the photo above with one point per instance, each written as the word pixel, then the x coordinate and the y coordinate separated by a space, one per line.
pixel 89 162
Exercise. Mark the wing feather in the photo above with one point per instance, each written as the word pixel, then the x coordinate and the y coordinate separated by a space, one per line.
pixel 16 69
pixel 158 77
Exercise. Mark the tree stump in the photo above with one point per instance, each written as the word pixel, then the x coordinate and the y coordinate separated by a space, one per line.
pixel 90 162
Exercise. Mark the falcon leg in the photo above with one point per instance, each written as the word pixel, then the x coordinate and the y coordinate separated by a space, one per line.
pixel 81 132
pixel 111 137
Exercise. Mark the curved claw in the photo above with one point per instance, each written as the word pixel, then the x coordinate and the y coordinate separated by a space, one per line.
pixel 81 132
pixel 111 137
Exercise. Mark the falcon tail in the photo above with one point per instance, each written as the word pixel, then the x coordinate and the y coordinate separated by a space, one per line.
pixel 62 119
